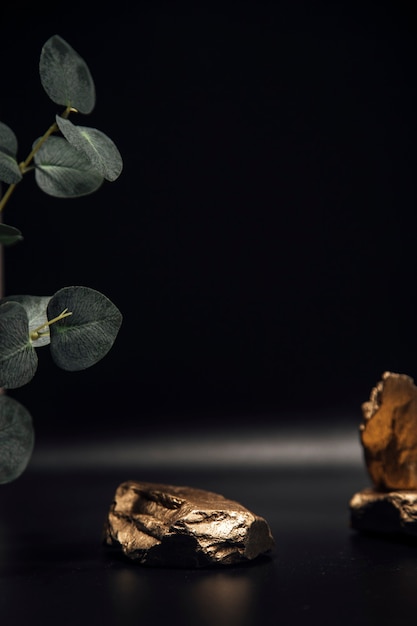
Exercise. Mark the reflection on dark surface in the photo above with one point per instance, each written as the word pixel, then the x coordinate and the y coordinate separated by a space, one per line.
pixel 52 556
pixel 388 568
pixel 130 594
pixel 225 597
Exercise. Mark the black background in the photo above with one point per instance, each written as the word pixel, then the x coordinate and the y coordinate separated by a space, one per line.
pixel 260 241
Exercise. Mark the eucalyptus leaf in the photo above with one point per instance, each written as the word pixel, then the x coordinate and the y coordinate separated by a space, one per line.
pixel 9 168
pixel 8 140
pixel 65 76
pixel 86 336
pixel 35 307
pixel 18 358
pixel 9 235
pixel 17 439
pixel 63 172
pixel 99 149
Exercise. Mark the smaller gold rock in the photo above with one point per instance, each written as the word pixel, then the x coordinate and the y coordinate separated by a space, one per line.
pixel 385 512
pixel 166 525
pixel 389 433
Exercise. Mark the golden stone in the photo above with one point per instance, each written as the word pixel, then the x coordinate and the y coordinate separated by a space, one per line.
pixel 167 525
pixel 389 433
pixel 393 512
pixel 389 438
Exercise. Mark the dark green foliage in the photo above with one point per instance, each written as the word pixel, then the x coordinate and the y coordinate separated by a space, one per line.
pixel 77 341
pixel 78 323
pixel 9 168
pixel 85 337
pixel 95 145
pixel 76 162
pixel 18 359
pixel 16 439
pixel 9 235
pixel 65 76
pixel 63 171
pixel 35 307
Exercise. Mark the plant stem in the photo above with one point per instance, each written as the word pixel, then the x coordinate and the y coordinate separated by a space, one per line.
pixel 52 129
pixel 36 333
pixel 23 166
pixel 7 195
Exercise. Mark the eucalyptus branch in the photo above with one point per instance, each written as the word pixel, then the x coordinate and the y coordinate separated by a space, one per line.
pixel 82 159
pixel 24 165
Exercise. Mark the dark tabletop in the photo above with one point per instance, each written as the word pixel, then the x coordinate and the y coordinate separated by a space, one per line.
pixel 55 570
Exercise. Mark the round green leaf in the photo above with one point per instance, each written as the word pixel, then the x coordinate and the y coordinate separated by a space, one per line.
pixel 35 307
pixel 65 76
pixel 63 172
pixel 17 439
pixel 18 359
pixel 8 140
pixel 9 235
pixel 9 168
pixel 99 149
pixel 85 337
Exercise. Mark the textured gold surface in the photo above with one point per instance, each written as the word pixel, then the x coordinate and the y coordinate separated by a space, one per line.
pixel 167 525
pixel 389 433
